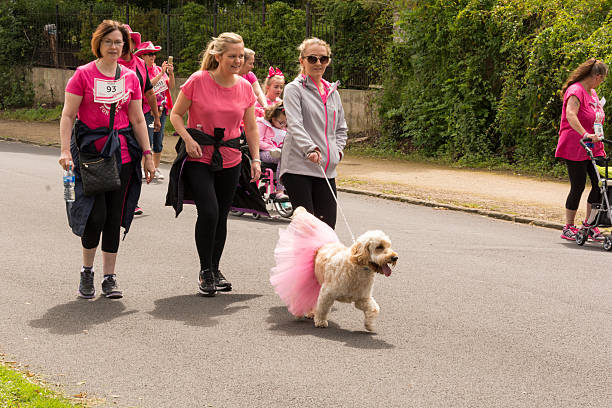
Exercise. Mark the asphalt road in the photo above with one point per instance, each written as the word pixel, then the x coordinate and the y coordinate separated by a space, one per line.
pixel 478 312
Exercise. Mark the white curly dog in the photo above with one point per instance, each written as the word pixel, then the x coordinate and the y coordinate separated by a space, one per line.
pixel 346 274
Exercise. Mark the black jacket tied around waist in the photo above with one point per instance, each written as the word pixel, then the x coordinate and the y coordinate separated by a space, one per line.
pixel 177 193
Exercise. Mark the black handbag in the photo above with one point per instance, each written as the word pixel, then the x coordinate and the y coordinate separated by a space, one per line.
pixel 99 173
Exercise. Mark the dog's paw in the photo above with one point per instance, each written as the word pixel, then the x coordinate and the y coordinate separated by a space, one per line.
pixel 321 323
pixel 369 327
pixel 309 315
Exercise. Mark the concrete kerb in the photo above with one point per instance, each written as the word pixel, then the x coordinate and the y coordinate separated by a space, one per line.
pixel 487 213
pixel 409 200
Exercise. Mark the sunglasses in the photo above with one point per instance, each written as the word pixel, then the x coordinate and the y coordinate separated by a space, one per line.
pixel 149 54
pixel 312 59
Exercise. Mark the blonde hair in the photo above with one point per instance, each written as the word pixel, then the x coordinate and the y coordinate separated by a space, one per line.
pixel 307 43
pixel 273 111
pixel 218 46
pixel 269 79
pixel 248 53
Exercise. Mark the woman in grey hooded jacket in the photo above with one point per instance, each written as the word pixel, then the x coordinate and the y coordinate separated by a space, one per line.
pixel 316 134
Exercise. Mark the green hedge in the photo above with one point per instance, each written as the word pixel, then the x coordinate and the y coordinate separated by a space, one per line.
pixel 479 81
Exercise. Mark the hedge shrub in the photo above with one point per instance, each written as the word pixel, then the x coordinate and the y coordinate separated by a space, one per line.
pixel 480 80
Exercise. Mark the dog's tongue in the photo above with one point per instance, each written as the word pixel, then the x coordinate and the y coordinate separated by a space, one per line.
pixel 386 270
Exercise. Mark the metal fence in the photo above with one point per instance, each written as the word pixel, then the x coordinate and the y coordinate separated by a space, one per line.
pixel 61 37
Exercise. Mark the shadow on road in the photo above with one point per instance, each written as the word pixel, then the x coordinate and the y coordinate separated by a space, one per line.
pixel 196 310
pixel 284 322
pixel 78 315
pixel 589 246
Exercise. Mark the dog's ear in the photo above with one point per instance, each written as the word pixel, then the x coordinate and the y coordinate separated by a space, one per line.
pixel 359 254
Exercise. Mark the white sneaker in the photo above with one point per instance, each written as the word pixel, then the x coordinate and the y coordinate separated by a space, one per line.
pixel 275 153
pixel 158 175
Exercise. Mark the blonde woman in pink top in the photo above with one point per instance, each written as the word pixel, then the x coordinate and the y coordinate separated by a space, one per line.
pixel 207 168
pixel 581 108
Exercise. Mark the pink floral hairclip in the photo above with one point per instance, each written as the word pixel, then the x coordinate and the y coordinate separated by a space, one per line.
pixel 274 72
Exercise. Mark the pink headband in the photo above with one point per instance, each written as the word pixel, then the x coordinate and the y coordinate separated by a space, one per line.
pixel 274 72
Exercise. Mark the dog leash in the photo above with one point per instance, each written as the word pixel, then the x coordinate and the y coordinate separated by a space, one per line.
pixel 337 203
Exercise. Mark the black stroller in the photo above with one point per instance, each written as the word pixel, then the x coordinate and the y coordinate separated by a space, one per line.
pixel 258 199
pixel 601 213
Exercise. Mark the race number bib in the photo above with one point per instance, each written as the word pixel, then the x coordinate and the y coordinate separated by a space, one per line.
pixel 108 90
pixel 160 87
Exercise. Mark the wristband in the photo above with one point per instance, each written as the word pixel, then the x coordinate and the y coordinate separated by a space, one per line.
pixel 148 151
pixel 583 135
pixel 256 160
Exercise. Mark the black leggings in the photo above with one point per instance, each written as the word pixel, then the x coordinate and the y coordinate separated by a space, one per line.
pixel 577 171
pixel 313 194
pixel 105 216
pixel 213 193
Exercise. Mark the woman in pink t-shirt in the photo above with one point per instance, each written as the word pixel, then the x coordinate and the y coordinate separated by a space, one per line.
pixel 581 108
pixel 246 71
pixel 217 100
pixel 89 95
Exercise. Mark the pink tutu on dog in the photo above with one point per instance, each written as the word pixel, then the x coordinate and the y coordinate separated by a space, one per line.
pixel 293 276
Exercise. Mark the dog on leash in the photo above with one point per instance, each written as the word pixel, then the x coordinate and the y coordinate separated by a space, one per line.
pixel 314 269
pixel 346 274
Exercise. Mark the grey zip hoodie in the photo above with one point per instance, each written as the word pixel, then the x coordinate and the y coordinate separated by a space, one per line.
pixel 313 121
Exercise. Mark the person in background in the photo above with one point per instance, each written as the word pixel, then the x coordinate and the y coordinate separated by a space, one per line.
pixel 208 165
pixel 272 130
pixel 273 85
pixel 316 134
pixel 246 71
pixel 149 102
pixel 162 79
pixel 103 214
pixel 581 108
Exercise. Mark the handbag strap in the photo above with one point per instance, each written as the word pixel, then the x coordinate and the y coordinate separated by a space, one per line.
pixel 114 105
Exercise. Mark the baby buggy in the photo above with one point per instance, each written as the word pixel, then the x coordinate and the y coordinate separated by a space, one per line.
pixel 258 199
pixel 601 213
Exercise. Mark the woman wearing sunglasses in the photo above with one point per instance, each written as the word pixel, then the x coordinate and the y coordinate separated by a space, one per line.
pixel 316 134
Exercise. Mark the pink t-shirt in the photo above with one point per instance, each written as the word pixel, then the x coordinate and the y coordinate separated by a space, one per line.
pixel 160 96
pixel 250 77
pixel 213 106
pixel 138 64
pixel 95 114
pixel 568 146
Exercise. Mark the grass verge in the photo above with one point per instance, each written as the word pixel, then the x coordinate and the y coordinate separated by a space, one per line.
pixel 40 114
pixel 17 391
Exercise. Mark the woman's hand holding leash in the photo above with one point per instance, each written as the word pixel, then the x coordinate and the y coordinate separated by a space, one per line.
pixel 314 157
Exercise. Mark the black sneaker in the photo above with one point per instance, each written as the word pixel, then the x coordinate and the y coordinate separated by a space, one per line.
pixel 207 285
pixel 222 284
pixel 110 288
pixel 86 287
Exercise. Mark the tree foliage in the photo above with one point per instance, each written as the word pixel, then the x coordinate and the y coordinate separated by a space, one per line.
pixel 481 79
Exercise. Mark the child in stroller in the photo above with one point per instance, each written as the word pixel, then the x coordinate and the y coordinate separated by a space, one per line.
pixel 268 193
pixel 601 213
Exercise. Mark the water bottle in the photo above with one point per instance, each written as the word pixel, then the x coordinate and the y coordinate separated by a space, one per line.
pixel 597 126
pixel 69 184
